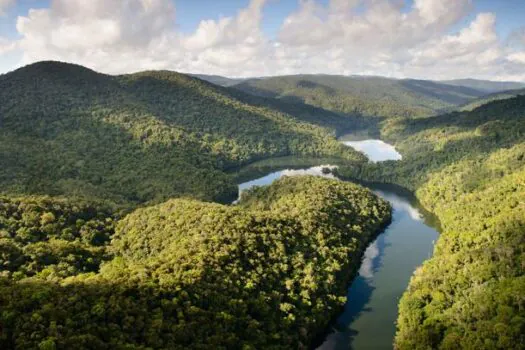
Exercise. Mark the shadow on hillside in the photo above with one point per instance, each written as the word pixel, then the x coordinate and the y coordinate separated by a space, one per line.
pixel 454 94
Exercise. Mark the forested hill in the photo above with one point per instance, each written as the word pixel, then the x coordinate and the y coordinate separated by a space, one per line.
pixel 469 169
pixel 361 95
pixel 492 97
pixel 269 273
pixel 67 130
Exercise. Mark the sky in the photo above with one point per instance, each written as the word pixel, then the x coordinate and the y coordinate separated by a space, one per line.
pixel 427 39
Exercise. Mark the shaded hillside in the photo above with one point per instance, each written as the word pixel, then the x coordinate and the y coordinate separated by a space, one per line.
pixel 486 86
pixel 335 121
pixel 492 97
pixel 67 130
pixel 469 169
pixel 268 274
pixel 365 96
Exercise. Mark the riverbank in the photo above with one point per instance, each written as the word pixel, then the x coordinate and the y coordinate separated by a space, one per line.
pixel 386 266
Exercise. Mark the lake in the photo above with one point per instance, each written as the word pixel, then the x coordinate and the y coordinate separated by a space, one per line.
pixel 368 319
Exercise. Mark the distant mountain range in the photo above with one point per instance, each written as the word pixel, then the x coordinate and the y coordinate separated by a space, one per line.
pixel 366 96
pixel 219 80
pixel 491 97
pixel 369 96
pixel 487 86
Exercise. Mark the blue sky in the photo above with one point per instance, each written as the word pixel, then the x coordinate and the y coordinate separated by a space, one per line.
pixel 509 20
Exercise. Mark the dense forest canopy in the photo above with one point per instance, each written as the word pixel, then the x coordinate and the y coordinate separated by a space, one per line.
pixel 86 263
pixel 469 169
pixel 268 273
pixel 67 130
pixel 109 237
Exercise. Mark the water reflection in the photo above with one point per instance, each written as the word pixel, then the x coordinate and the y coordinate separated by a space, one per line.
pixel 376 150
pixel 370 260
pixel 368 320
pixel 399 203
pixel 268 179
pixel 316 170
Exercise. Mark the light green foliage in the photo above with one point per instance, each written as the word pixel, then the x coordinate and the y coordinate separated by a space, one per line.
pixel 52 238
pixel 268 273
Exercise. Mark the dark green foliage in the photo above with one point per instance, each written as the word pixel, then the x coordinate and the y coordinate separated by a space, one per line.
pixel 66 130
pixel 268 273
pixel 469 169
pixel 492 97
pixel 370 97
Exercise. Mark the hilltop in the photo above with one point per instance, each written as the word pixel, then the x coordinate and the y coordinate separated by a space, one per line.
pixel 67 130
pixel 491 97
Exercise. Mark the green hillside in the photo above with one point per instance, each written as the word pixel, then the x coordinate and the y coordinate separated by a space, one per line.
pixel 492 97
pixel 88 261
pixel 111 236
pixel 469 169
pixel 363 96
pixel 67 130
pixel 269 273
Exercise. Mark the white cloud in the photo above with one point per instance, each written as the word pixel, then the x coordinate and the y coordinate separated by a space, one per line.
pixel 469 44
pixel 379 37
pixel 230 45
pixel 109 35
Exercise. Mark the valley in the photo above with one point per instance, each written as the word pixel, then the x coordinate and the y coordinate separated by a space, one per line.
pixel 117 228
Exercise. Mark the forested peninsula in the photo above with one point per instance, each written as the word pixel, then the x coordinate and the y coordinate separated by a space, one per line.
pixel 270 272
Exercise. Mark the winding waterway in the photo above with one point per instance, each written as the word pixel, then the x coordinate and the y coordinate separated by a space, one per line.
pixel 368 319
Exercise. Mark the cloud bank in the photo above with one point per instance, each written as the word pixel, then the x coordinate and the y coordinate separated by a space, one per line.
pixel 375 37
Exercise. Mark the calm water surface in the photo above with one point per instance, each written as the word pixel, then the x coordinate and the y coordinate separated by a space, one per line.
pixel 368 320
pixel 376 150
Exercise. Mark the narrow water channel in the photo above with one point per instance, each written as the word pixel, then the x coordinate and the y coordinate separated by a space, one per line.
pixel 368 320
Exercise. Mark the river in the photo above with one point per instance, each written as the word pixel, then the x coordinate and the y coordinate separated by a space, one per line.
pixel 368 319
